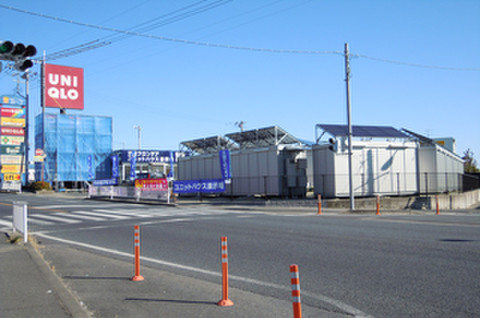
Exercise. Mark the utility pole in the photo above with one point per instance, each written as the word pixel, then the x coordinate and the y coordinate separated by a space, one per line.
pixel 349 134
pixel 139 136
pixel 42 94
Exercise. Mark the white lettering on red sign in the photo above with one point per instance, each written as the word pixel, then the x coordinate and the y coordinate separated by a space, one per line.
pixel 64 86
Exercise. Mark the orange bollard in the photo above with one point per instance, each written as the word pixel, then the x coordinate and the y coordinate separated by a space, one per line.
pixel 378 205
pixel 136 245
pixel 295 282
pixel 438 205
pixel 319 204
pixel 225 302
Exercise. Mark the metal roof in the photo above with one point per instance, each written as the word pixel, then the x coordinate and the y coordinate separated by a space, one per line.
pixel 263 137
pixel 363 131
pixel 209 144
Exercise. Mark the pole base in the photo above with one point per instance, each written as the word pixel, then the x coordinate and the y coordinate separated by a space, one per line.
pixel 225 303
pixel 137 278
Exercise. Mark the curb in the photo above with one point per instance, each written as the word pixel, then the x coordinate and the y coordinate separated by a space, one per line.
pixel 69 301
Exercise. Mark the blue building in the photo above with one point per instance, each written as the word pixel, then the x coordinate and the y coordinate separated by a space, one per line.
pixel 77 147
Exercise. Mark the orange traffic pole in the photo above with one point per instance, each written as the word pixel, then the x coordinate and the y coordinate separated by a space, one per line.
pixel 225 302
pixel 378 205
pixel 295 282
pixel 319 204
pixel 438 205
pixel 136 245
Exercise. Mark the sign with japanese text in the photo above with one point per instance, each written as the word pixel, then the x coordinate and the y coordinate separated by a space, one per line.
pixel 10 159
pixel 199 186
pixel 11 169
pixel 115 167
pixel 12 112
pixel 104 182
pixel 11 177
pixel 133 164
pixel 149 156
pixel 11 150
pixel 11 140
pixel 12 100
pixel 225 163
pixel 63 87
pixel 160 184
pixel 12 131
pixel 12 122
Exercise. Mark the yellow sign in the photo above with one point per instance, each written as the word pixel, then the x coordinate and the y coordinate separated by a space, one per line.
pixel 11 168
pixel 38 158
pixel 11 177
pixel 12 122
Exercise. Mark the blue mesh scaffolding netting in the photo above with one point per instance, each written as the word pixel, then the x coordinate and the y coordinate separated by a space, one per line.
pixel 77 147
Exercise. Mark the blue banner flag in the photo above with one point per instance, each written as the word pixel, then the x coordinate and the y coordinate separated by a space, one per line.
pixel 133 163
pixel 199 186
pixel 225 164
pixel 115 172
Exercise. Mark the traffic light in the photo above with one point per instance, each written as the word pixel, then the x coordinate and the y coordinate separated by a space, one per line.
pixel 333 144
pixel 18 53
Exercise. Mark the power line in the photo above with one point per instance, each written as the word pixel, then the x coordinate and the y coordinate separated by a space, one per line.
pixel 218 45
pixel 162 20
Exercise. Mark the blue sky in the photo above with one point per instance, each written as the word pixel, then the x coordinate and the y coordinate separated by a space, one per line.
pixel 177 91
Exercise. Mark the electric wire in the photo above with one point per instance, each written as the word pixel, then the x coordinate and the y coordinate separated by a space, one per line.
pixel 224 46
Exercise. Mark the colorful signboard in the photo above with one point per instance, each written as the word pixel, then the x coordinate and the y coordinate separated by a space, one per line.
pixel 11 150
pixel 11 168
pixel 12 122
pixel 9 159
pixel 12 131
pixel 11 177
pixel 11 140
pixel 160 184
pixel 199 186
pixel 63 87
pixel 12 112
pixel 12 100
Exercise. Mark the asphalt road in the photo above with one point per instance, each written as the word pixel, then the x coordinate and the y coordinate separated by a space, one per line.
pixel 392 265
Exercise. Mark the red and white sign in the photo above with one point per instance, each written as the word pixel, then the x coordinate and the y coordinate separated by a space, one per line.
pixel 12 131
pixel 160 184
pixel 13 112
pixel 63 87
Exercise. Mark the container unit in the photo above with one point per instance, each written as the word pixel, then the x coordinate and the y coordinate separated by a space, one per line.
pixel 266 161
pixel 439 170
pixel 383 161
pixel 268 171
pixel 379 168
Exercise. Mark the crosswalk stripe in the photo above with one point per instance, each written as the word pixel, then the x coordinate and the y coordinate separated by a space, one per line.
pixel 125 213
pixel 83 217
pixel 102 215
pixel 6 223
pixel 54 218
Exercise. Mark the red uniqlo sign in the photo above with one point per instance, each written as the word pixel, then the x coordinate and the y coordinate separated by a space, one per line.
pixel 63 86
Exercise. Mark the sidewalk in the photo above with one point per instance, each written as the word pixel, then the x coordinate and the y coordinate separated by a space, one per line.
pixel 100 286
pixel 29 287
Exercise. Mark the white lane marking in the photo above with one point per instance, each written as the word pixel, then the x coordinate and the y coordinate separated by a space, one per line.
pixel 54 218
pixel 30 220
pixel 339 304
pixel 129 213
pixel 103 215
pixel 6 223
pixel 82 217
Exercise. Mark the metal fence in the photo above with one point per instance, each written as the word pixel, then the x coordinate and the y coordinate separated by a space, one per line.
pixel 125 192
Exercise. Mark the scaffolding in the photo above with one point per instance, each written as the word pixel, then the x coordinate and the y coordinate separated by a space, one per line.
pixel 77 147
